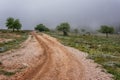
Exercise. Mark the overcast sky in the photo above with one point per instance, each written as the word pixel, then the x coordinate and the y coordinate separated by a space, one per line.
pixel 79 13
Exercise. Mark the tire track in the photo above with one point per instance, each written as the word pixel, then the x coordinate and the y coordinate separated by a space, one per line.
pixel 42 67
pixel 66 53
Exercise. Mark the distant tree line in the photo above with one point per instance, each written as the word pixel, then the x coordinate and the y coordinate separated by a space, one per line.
pixel 64 27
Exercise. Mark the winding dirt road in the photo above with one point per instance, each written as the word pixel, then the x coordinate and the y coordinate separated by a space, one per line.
pixel 52 61
pixel 58 63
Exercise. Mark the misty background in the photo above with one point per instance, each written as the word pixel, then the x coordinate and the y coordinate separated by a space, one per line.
pixel 90 14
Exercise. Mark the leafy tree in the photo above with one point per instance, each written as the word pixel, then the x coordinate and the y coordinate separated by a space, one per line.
pixel 106 29
pixel 41 28
pixel 17 25
pixel 64 27
pixel 11 23
pixel 82 30
pixel 76 31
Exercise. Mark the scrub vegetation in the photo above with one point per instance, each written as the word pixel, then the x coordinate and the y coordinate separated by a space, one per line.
pixel 11 40
pixel 105 51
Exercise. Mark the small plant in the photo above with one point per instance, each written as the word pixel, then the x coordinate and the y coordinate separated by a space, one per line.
pixel 0 63
pixel 6 73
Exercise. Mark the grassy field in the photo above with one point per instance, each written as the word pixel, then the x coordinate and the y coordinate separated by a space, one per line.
pixel 11 40
pixel 105 51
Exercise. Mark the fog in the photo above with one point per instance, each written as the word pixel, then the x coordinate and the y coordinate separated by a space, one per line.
pixel 79 13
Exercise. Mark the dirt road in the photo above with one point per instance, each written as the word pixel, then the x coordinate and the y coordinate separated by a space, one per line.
pixel 44 58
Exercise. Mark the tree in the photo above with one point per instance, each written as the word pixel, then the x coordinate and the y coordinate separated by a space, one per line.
pixel 64 27
pixel 41 28
pixel 13 24
pixel 106 29
pixel 76 31
pixel 9 22
pixel 82 30
pixel 17 25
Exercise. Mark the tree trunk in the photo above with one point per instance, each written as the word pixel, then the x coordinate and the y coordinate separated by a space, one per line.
pixel 106 35
pixel 65 33
pixel 17 29
pixel 13 29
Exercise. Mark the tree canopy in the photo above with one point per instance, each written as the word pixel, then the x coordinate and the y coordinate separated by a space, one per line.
pixel 64 27
pixel 41 27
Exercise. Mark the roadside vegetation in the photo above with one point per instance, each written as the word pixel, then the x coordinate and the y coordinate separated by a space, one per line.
pixel 11 40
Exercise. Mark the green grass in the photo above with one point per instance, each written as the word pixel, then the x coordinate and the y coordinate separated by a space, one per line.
pixel 105 51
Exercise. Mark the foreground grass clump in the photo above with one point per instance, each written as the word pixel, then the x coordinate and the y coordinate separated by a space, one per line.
pixel 11 40
pixel 105 51
pixel 6 72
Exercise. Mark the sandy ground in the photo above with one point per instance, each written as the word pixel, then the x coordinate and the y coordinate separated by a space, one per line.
pixel 5 40
pixel 42 57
